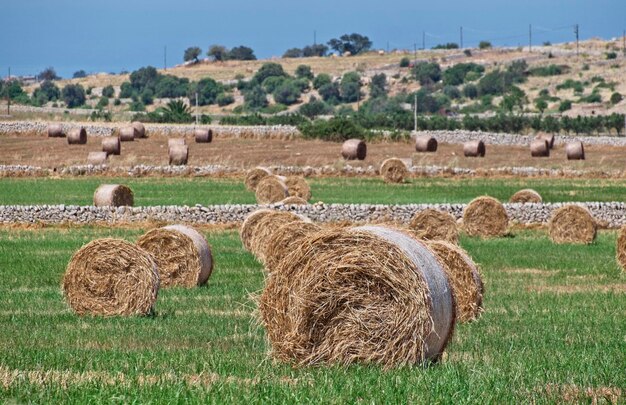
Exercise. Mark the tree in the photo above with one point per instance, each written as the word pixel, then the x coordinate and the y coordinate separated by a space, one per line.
pixel 271 83
pixel 484 45
pixel 241 53
pixel 169 86
pixel 47 91
pixel 48 74
pixel 144 77
pixel 350 87
pixel 218 52
pixel 541 105
pixel 314 50
pixel 378 86
pixel 616 98
pixel 314 108
pixel 192 53
pixel 255 98
pixel 73 95
pixel 293 53
pixel 108 91
pixel 405 62
pixel 353 43
pixel 427 73
pixel 207 89
pixel 79 74
pixel 268 69
pixel 330 93
pixel 177 111
pixel 449 45
pixel 470 91
pixel 456 74
pixel 321 80
pixel 225 99
pixel 304 72
pixel 287 93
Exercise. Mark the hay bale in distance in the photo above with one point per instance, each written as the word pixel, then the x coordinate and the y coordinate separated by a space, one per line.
pixel 182 255
pixel 97 158
pixel 354 149
pixel 294 201
pixel 430 224
pixel 526 195
pixel 113 195
pixel 485 217
pixel 254 176
pixel 249 225
pixel 111 277
pixel 620 248
pixel 175 141
pixel 539 148
pixel 572 224
pixel 575 151
pixel 128 134
pixel 178 154
pixel 547 137
pixel 425 143
pixel 140 129
pixel 258 227
pixel 282 241
pixel 111 145
pixel 271 189
pixel 297 186
pixel 465 280
pixel 474 149
pixel 77 136
pixel 362 295
pixel 203 135
pixel 393 170
pixel 55 131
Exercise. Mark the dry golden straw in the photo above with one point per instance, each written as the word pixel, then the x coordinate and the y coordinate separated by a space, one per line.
pixel 526 195
pixel 113 195
pixel 294 201
pixel 572 224
pixel 181 253
pixel 431 224
pixel 257 229
pixel 485 217
pixel 620 248
pixel 393 170
pixel 284 239
pixel 297 186
pixel 271 189
pixel 254 176
pixel 111 277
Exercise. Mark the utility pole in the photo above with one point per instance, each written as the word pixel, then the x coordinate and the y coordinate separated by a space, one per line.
pixel 197 115
pixel 530 38
pixel 576 32
pixel 423 40
pixel 415 113
pixel 461 37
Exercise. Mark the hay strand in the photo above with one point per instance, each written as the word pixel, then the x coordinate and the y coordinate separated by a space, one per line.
pixel 113 195
pixel 270 190
pixel 430 224
pixel 297 186
pixel 77 136
pixel 572 224
pixel 485 217
pixel 526 195
pixel 254 176
pixel 425 143
pixel 354 149
pixel 393 170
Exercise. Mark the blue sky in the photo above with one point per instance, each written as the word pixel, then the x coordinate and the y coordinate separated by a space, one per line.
pixel 112 35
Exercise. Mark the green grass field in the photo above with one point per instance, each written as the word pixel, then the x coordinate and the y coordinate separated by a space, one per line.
pixel 206 191
pixel 554 328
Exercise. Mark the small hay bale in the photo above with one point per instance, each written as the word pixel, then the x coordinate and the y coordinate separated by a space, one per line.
pixel 111 145
pixel 425 143
pixel 467 285
pixel 111 277
pixel 181 253
pixel 526 195
pixel 179 155
pixel 354 149
pixel 474 149
pixel 575 151
pixel 77 136
pixel 284 239
pixel 297 186
pixel 539 148
pixel 271 189
pixel 97 158
pixel 258 227
pixel 55 131
pixel 140 129
pixel 620 248
pixel 113 195
pixel 368 295
pixel 393 170
pixel 294 201
pixel 128 134
pixel 485 217
pixel 431 224
pixel 203 135
pixel 254 176
pixel 547 137
pixel 572 224
pixel 175 141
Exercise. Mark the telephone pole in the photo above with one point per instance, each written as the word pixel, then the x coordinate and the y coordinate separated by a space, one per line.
pixel 576 32
pixel 530 38
pixel 461 37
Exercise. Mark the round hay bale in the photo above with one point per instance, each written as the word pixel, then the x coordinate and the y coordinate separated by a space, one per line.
pixel 258 227
pixel 425 143
pixel 249 225
pixel 97 158
pixel 203 135
pixel 575 151
pixel 465 280
pixel 368 295
pixel 128 134
pixel 254 176
pixel 620 248
pixel 111 145
pixel 572 224
pixel 55 131
pixel 297 186
pixel 393 170
pixel 354 149
pixel 284 239
pixel 431 224
pixel 271 189
pixel 179 155
pixel 181 253
pixel 485 217
pixel 547 137
pixel 539 148
pixel 294 201
pixel 111 277
pixel 474 149
pixel 175 141
pixel 77 136
pixel 526 195
pixel 113 195
pixel 140 129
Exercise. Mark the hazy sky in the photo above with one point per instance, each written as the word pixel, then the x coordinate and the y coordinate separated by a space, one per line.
pixel 114 35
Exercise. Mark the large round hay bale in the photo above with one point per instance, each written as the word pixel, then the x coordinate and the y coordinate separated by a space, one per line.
pixel 175 142
pixel 181 253
pixel 548 138
pixel 113 195
pixel 178 154
pixel 297 186
pixel 485 217
pixel 354 149
pixel 526 195
pixel 572 224
pixel 140 129
pixel 111 145
pixel 575 151
pixel 111 277
pixel 254 176
pixel 128 134
pixel 203 135
pixel 474 149
pixel 393 170
pixel 77 136
pixel 249 225
pixel 425 143
pixel 620 248
pixel 294 201
pixel 430 224
pixel 97 158
pixel 55 131
pixel 362 295
pixel 284 239
pixel 258 227
pixel 539 148
pixel 462 272
pixel 271 189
